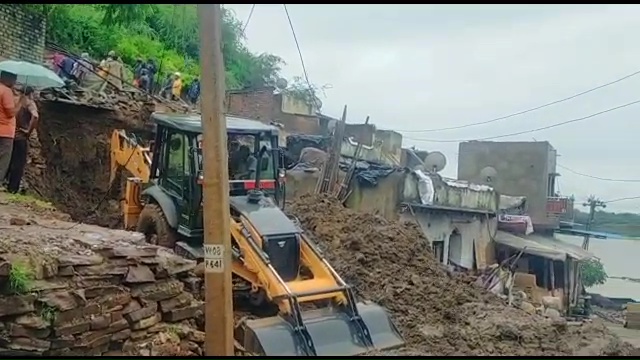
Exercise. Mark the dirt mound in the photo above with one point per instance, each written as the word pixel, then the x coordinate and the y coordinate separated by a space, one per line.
pixel 69 156
pixel 438 313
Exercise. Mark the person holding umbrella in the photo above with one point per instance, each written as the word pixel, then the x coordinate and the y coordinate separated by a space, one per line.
pixel 8 109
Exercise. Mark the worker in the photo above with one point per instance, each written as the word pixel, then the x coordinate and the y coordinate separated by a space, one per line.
pixel 114 69
pixel 176 87
pixel 194 91
pixel 8 107
pixel 143 80
pixel 82 68
pixel 247 164
pixel 26 122
pixel 137 71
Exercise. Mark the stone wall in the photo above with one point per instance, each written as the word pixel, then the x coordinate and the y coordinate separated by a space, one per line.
pixel 96 291
pixel 22 34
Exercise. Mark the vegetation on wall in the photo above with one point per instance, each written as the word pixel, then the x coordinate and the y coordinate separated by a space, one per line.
pixel 166 33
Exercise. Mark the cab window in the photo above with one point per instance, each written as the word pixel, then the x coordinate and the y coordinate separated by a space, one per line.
pixel 177 165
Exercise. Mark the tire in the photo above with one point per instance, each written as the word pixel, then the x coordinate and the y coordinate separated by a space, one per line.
pixel 153 224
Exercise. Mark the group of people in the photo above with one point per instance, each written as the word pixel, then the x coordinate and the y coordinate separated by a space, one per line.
pixel 173 88
pixel 69 69
pixel 18 119
pixel 143 74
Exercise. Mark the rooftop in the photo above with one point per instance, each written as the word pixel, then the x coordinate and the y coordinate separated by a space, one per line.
pixel 193 123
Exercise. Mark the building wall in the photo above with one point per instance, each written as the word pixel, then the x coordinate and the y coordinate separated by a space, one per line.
pixel 474 230
pixel 522 170
pixel 22 34
pixel 263 105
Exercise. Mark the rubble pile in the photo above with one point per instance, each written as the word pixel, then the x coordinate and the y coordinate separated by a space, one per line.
pixel 69 153
pixel 438 312
pixel 84 290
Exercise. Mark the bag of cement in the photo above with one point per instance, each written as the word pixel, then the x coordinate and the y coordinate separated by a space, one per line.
pixel 551 302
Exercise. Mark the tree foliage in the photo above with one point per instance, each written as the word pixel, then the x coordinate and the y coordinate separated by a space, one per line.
pixel 593 273
pixel 166 33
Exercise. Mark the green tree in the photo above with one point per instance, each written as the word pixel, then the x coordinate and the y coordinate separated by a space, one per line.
pixel 166 33
pixel 593 273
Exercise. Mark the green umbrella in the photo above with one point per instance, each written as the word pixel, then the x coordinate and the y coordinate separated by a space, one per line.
pixel 31 74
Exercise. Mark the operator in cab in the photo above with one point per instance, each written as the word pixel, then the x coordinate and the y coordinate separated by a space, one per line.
pixel 247 164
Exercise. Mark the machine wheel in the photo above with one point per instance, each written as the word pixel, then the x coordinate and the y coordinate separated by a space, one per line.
pixel 155 228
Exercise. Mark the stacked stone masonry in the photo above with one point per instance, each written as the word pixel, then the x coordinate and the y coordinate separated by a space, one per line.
pixel 110 300
pixel 22 33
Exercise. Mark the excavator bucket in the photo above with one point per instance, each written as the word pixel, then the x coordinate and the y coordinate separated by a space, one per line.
pixel 331 333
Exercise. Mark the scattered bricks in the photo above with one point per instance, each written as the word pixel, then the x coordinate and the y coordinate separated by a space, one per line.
pixel 49 270
pixel 100 322
pixel 139 274
pixel 78 260
pixel 21 331
pixel 118 326
pixel 138 335
pixel 68 352
pixel 131 307
pixel 192 284
pixel 93 339
pixel 62 342
pixel 28 344
pixel 73 328
pixel 147 322
pixel 95 291
pixel 130 252
pixel 121 335
pixel 144 312
pixel 66 271
pixel 175 265
pixel 158 328
pixel 98 350
pixel 31 321
pixel 17 305
pixel 77 315
pixel 63 300
pixel 116 315
pixel 158 291
pixel 183 313
pixel 96 280
pixel 196 336
pixel 111 301
pixel 102 269
pixel 179 301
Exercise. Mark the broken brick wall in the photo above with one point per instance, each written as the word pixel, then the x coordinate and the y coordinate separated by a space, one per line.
pixel 265 106
pixel 22 34
pixel 108 298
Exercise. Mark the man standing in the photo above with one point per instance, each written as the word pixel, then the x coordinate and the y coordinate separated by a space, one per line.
pixel 8 109
pixel 194 91
pixel 176 87
pixel 26 122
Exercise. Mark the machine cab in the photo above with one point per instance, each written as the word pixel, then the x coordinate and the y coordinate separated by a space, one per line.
pixel 178 169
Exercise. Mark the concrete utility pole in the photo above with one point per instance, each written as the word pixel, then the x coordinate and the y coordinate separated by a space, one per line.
pixel 593 203
pixel 217 242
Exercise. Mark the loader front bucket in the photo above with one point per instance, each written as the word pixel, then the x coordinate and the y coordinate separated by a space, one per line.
pixel 331 331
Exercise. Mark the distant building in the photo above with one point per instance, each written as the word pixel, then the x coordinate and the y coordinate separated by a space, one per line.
pixel 518 169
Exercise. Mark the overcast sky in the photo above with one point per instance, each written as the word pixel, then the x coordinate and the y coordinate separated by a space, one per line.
pixel 416 67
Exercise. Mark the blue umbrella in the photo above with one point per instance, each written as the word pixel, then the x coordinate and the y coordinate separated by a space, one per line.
pixel 32 74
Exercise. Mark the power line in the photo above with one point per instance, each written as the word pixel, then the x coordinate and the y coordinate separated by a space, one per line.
pixel 246 23
pixel 596 177
pixel 528 110
pixel 622 199
pixel 304 68
pixel 531 130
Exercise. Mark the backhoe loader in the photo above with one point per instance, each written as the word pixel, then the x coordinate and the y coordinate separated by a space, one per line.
pixel 276 263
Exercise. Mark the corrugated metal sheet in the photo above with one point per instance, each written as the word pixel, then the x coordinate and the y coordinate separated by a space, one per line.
pixel 549 248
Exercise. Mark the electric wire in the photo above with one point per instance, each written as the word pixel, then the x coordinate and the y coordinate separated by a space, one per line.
pixel 597 177
pixel 528 110
pixel 530 130
pixel 246 23
pixel 304 68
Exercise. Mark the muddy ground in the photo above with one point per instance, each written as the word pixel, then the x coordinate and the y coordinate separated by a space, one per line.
pixel 438 313
pixel 389 263
pixel 69 157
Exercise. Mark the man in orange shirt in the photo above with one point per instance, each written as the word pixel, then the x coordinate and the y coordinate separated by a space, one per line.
pixel 8 107
pixel 26 122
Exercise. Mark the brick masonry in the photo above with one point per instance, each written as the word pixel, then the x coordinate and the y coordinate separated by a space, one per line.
pixel 22 34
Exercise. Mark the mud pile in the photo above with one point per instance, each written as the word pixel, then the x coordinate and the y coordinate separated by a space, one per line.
pixel 439 314
pixel 81 290
pixel 69 156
